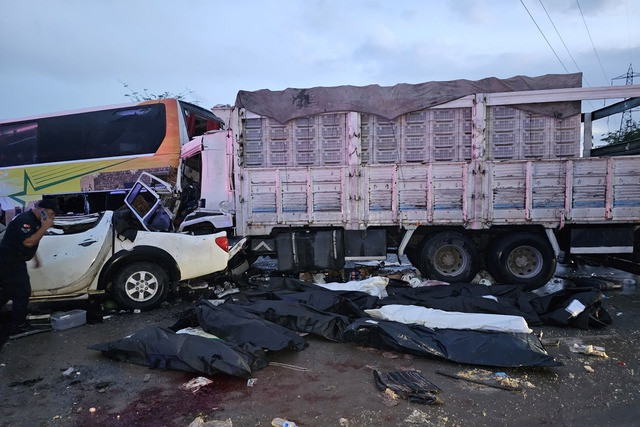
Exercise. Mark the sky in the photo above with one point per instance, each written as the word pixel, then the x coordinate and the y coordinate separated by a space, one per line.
pixel 68 54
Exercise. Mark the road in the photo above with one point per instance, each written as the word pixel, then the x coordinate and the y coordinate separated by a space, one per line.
pixel 328 384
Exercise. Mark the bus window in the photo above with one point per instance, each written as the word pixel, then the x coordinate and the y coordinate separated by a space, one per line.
pixel 18 144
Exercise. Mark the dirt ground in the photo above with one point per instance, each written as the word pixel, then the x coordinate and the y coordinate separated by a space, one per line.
pixel 328 384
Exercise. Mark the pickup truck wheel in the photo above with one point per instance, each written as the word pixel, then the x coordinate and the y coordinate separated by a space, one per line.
pixel 450 257
pixel 525 259
pixel 141 285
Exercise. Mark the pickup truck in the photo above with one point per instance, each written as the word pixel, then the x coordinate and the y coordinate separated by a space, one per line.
pixel 86 255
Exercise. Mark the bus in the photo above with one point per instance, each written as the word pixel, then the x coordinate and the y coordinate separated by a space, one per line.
pixel 89 158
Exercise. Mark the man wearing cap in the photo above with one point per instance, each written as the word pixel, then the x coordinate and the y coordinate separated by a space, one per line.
pixel 18 245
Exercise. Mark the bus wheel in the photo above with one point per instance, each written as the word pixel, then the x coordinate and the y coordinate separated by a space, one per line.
pixel 141 285
pixel 450 257
pixel 521 258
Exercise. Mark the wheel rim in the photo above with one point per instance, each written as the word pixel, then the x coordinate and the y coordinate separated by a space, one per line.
pixel 525 262
pixel 141 286
pixel 450 260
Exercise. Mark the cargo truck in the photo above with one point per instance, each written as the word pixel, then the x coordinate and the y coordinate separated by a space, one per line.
pixel 459 176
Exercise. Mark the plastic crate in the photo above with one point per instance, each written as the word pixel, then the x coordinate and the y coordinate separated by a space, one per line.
pixel 305 145
pixel 567 122
pixel 415 156
pixel 465 153
pixel 444 140
pixel 305 133
pixel 68 319
pixel 253 123
pixel 253 159
pixel 503 112
pixel 306 158
pixel 386 131
pixel 331 157
pixel 466 113
pixel 253 146
pixel 278 133
pixel 365 157
pixel 279 145
pixel 386 156
pixel 415 130
pixel 331 144
pixel 534 137
pixel 467 126
pixel 444 127
pixel 566 150
pixel 386 144
pixel 253 134
pixel 503 152
pixel 331 119
pixel 465 139
pixel 534 151
pixel 279 159
pixel 561 136
pixel 504 138
pixel 332 132
pixel 439 114
pixel 305 121
pixel 503 125
pixel 415 142
pixel 417 117
pixel 534 122
pixel 444 154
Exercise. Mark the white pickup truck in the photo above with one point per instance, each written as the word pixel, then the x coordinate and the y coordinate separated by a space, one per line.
pixel 83 256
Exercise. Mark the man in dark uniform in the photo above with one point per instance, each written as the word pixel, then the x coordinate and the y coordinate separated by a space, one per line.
pixel 18 245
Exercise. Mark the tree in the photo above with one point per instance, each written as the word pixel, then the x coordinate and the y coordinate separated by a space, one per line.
pixel 620 137
pixel 145 95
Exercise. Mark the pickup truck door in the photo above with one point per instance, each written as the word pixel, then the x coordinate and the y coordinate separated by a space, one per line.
pixel 70 262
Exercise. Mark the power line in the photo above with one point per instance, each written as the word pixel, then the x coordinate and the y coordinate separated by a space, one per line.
pixel 545 37
pixel 563 43
pixel 592 44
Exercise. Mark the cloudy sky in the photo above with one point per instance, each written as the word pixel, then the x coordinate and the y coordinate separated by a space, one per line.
pixel 67 54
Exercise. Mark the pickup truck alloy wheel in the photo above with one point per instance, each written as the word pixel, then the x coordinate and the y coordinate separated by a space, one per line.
pixel 521 258
pixel 450 257
pixel 141 285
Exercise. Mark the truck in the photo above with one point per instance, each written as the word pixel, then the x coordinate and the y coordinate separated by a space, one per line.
pixel 459 176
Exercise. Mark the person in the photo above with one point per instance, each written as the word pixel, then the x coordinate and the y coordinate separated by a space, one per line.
pixel 18 245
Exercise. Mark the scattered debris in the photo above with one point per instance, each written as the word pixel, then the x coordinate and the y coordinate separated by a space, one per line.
pixel 92 410
pixel 69 371
pixel 251 382
pixel 196 384
pixel 344 422
pixel 202 422
pixel 418 417
pixel 147 377
pixel 590 350
pixel 287 366
pixel 137 311
pixel 589 369
pixel 27 383
pixel 496 380
pixel 409 385
pixel 281 422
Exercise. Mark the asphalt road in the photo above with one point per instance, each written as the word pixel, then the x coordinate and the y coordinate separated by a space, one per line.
pixel 327 384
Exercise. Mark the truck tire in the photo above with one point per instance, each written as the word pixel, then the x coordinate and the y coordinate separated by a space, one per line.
pixel 521 258
pixel 141 285
pixel 450 257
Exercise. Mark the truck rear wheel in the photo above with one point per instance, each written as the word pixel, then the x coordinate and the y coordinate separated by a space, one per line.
pixel 522 258
pixel 450 257
pixel 141 285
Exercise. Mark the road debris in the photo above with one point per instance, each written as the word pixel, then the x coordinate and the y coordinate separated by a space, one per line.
pixel 409 385
pixel 196 384
pixel 590 350
pixel 589 369
pixel 498 380
pixel 201 421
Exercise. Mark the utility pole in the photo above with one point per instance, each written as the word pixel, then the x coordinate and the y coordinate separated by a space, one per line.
pixel 626 123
